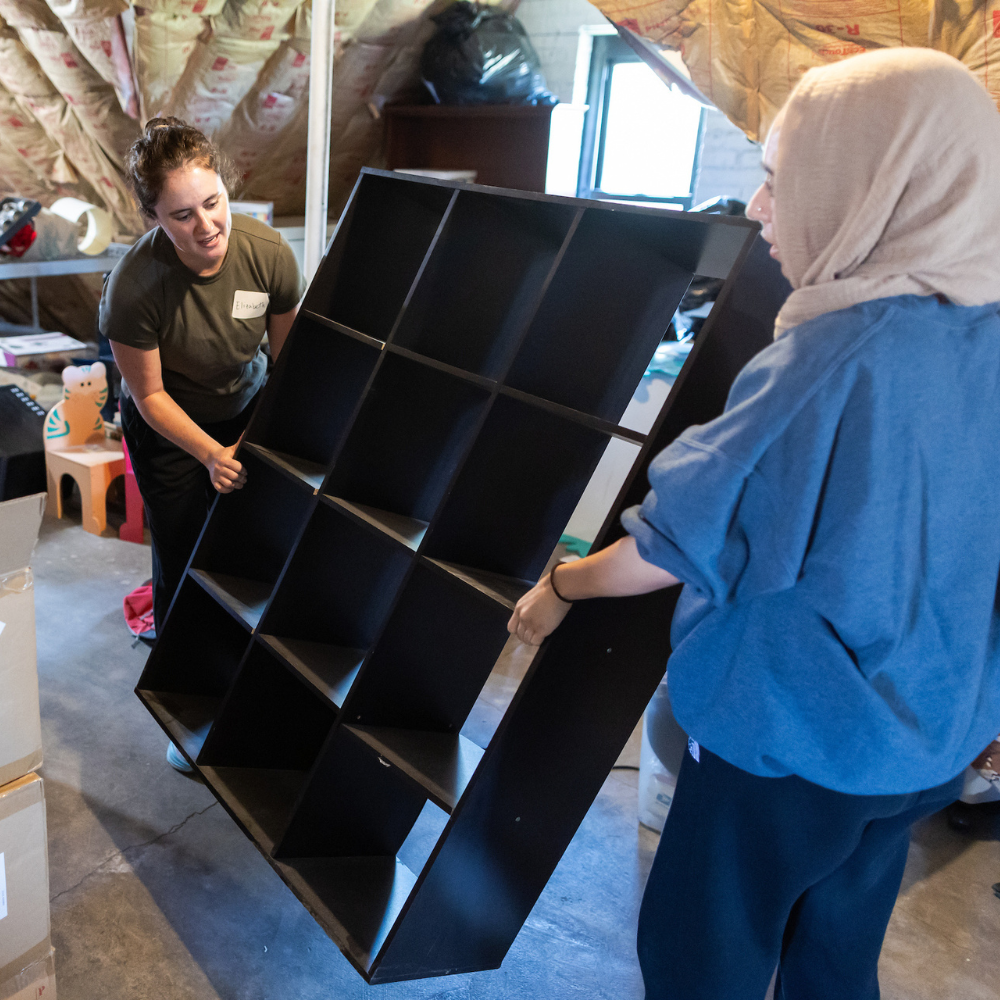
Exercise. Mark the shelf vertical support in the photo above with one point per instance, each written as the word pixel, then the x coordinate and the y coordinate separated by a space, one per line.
pixel 318 144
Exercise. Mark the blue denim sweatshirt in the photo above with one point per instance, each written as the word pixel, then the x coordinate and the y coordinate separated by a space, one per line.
pixel 838 532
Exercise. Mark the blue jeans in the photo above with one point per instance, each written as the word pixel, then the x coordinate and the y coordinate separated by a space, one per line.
pixel 756 873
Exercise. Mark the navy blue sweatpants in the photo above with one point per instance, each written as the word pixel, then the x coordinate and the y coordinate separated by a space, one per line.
pixel 753 873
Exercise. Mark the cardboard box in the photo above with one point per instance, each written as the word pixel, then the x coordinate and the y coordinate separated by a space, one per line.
pixel 26 962
pixel 36 982
pixel 20 724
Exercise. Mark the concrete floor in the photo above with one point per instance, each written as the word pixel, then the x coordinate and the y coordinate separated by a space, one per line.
pixel 156 895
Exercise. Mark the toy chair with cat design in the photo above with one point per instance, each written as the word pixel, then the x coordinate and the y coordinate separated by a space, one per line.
pixel 75 444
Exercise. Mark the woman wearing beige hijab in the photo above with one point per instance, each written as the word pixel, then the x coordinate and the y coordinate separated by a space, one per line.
pixel 837 643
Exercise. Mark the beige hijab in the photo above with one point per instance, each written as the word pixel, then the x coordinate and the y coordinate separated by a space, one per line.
pixel 887 182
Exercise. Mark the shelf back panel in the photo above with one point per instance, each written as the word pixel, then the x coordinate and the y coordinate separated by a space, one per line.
pixel 377 252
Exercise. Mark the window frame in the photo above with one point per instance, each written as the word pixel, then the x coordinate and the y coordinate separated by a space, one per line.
pixel 609 50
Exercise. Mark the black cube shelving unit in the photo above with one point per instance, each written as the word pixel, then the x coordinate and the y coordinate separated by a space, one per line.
pixel 459 365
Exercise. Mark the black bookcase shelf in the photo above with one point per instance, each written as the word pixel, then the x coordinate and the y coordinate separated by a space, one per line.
pixel 504 590
pixel 408 531
pixel 328 670
pixel 309 474
pixel 395 222
pixel 440 763
pixel 462 360
pixel 340 583
pixel 244 599
pixel 239 558
pixel 187 717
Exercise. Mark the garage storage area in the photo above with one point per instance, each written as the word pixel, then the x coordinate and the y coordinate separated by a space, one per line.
pixel 495 503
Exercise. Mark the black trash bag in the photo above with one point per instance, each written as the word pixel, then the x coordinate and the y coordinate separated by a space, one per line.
pixel 480 55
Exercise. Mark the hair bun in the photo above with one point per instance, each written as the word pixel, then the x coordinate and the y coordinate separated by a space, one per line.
pixel 156 124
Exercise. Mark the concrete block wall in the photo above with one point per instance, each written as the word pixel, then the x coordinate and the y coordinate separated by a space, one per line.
pixel 554 29
pixel 730 163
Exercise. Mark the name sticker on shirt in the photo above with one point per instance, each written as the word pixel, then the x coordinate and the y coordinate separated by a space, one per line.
pixel 250 305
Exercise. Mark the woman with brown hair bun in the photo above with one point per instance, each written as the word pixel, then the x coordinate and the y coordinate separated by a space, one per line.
pixel 186 310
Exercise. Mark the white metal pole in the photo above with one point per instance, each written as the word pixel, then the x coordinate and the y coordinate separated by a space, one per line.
pixel 318 149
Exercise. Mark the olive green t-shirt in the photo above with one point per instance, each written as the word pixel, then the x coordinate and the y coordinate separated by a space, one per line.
pixel 208 330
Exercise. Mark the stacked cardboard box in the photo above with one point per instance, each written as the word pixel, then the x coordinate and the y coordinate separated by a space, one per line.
pixel 27 967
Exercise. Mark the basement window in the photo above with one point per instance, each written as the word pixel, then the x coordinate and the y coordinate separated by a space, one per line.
pixel 641 138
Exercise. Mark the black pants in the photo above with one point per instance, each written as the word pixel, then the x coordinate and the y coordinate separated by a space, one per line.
pixel 176 493
pixel 753 873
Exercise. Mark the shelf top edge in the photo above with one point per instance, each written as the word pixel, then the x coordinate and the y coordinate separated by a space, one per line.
pixel 701 218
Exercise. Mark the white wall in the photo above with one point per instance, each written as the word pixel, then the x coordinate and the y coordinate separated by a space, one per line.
pixel 554 29
pixel 730 163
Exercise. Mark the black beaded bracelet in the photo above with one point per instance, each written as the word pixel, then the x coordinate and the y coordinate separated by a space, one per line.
pixel 552 584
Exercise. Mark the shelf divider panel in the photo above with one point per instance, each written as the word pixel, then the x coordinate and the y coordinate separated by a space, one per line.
pixel 481 380
pixel 505 590
pixel 346 330
pixel 328 670
pixel 408 531
pixel 301 470
pixel 577 416
pixel 244 599
pixel 441 763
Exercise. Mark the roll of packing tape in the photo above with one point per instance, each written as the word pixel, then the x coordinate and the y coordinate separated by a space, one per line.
pixel 98 235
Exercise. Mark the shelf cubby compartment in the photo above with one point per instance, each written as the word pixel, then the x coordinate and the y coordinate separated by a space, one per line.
pixel 336 594
pixel 476 295
pixel 620 273
pixel 259 799
pixel 248 538
pixel 356 900
pixel 190 669
pixel 515 493
pixel 356 804
pixel 320 377
pixel 273 725
pixel 433 657
pixel 442 764
pixel 405 445
pixel 377 253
